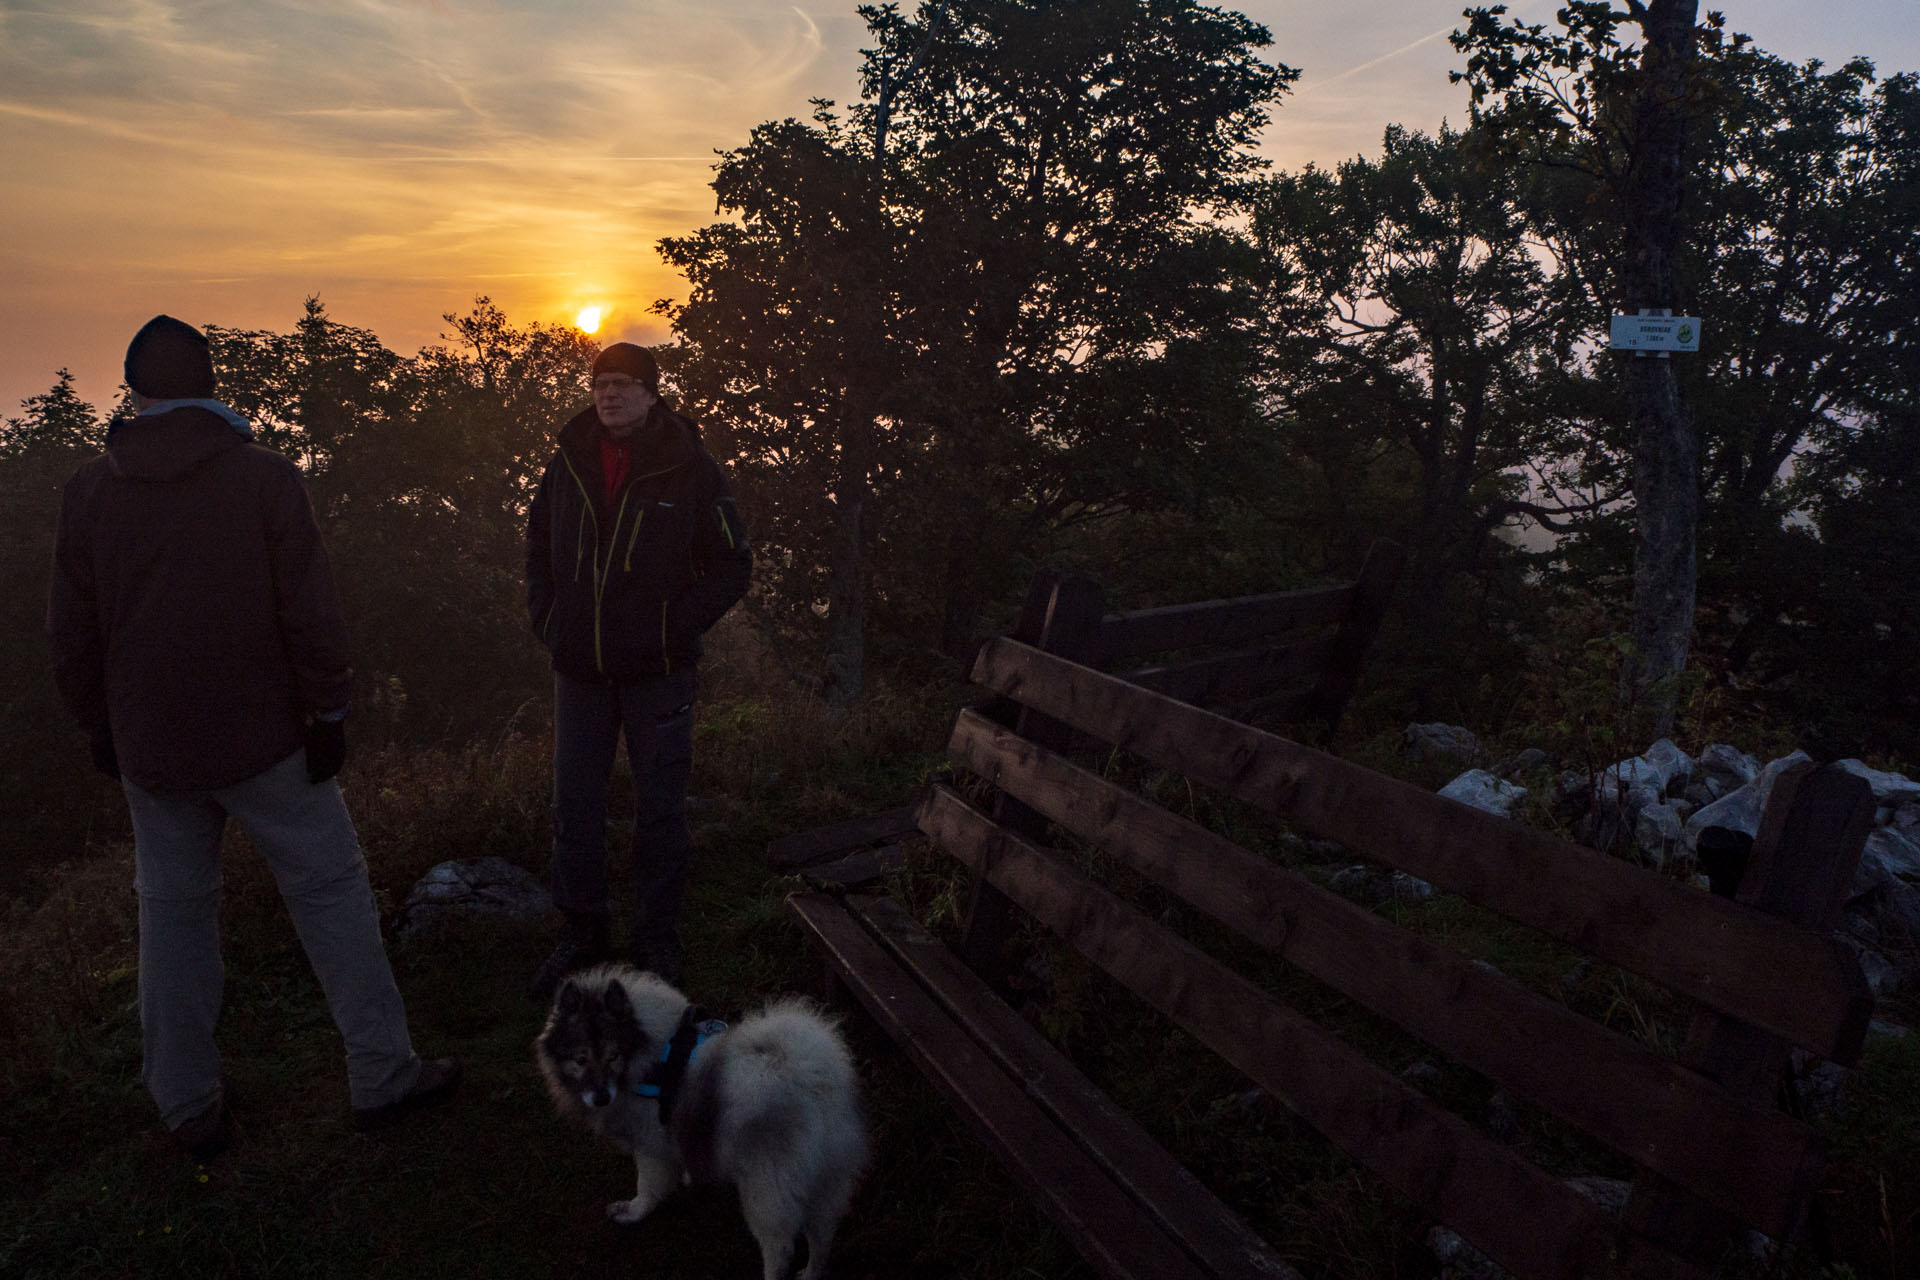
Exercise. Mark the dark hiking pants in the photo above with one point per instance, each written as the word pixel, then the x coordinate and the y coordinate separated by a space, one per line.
pixel 656 718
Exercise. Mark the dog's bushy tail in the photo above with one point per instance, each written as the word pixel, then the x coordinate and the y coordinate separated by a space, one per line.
pixel 791 1041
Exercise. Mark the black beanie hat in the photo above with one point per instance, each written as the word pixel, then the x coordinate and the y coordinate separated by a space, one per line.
pixel 636 362
pixel 169 360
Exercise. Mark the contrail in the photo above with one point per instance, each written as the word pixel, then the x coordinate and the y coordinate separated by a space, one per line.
pixel 1373 62
pixel 1429 38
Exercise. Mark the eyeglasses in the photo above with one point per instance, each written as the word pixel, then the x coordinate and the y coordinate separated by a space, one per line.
pixel 616 382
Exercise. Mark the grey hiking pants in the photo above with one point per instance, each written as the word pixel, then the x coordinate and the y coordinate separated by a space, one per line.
pixel 304 832
pixel 656 716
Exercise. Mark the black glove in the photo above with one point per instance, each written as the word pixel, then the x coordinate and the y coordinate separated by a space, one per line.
pixel 104 759
pixel 326 749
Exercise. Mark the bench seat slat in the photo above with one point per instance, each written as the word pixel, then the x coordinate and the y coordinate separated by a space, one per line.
pixel 1799 984
pixel 1753 1161
pixel 1517 1214
pixel 1101 1221
pixel 1186 1209
pixel 804 849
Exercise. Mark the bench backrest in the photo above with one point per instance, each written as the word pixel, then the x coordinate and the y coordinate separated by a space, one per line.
pixel 1283 658
pixel 1763 970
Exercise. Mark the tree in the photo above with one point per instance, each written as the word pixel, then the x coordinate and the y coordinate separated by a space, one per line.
pixel 420 470
pixel 47 789
pixel 1063 156
pixel 1039 212
pixel 491 408
pixel 1440 330
pixel 1622 117
pixel 1833 360
pixel 786 341
pixel 1800 268
pixel 1799 260
pixel 56 420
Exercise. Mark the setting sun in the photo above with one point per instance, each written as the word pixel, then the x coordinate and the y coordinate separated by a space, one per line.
pixel 588 320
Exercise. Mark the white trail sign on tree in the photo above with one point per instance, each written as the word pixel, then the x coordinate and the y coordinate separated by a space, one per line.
pixel 1654 332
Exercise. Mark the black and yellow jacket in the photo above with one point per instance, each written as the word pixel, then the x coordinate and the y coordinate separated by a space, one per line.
pixel 624 590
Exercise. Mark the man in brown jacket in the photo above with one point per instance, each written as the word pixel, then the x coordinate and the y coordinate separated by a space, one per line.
pixel 197 639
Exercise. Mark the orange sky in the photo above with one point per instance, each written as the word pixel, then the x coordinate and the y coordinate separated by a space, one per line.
pixel 220 160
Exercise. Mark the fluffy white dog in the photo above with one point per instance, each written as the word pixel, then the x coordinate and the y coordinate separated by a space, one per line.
pixel 771 1106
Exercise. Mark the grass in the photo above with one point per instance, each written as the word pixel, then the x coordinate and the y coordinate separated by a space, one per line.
pixel 495 1185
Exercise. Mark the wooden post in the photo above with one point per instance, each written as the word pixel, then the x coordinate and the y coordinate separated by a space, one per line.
pixel 1378 576
pixel 1811 834
pixel 1027 629
pixel 1070 629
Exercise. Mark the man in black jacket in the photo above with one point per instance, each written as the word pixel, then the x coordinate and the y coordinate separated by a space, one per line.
pixel 634 549
pixel 197 639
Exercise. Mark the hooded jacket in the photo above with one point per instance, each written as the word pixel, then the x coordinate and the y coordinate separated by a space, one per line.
pixel 623 590
pixel 192 611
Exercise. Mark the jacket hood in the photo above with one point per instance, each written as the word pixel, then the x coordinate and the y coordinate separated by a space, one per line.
pixel 665 440
pixel 166 446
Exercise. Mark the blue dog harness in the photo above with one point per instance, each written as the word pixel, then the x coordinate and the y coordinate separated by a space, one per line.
pixel 663 1078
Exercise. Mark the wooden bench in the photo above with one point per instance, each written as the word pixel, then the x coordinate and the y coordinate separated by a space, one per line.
pixel 1284 658
pixel 1763 971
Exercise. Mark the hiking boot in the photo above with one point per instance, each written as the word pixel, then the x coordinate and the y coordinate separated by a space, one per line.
pixel 434 1084
pixel 206 1135
pixel 584 944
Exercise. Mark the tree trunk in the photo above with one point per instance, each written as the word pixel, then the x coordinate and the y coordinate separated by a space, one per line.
pixel 845 674
pixel 963 595
pixel 1666 450
pixel 1427 618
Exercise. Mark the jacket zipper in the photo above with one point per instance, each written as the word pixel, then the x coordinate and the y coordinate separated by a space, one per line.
pixel 580 539
pixel 639 518
pixel 587 513
pixel 601 575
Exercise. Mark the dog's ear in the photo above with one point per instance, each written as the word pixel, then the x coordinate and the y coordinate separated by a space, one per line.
pixel 571 997
pixel 615 999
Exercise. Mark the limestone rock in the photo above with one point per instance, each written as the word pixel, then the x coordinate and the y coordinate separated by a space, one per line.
pixel 1887 855
pixel 1440 742
pixel 1658 830
pixel 1526 760
pixel 1482 790
pixel 1726 768
pixel 1889 789
pixel 1662 767
pixel 1739 810
pixel 484 887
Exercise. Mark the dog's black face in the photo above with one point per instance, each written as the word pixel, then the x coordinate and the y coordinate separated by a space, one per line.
pixel 590 1039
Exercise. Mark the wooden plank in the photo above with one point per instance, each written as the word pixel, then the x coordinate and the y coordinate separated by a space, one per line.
pixel 1527 1221
pixel 1801 870
pixel 1218 622
pixel 803 849
pixel 1379 574
pixel 1185 1209
pixel 1211 681
pixel 1279 708
pixel 862 866
pixel 1100 1220
pixel 1749 1159
pixel 1797 983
